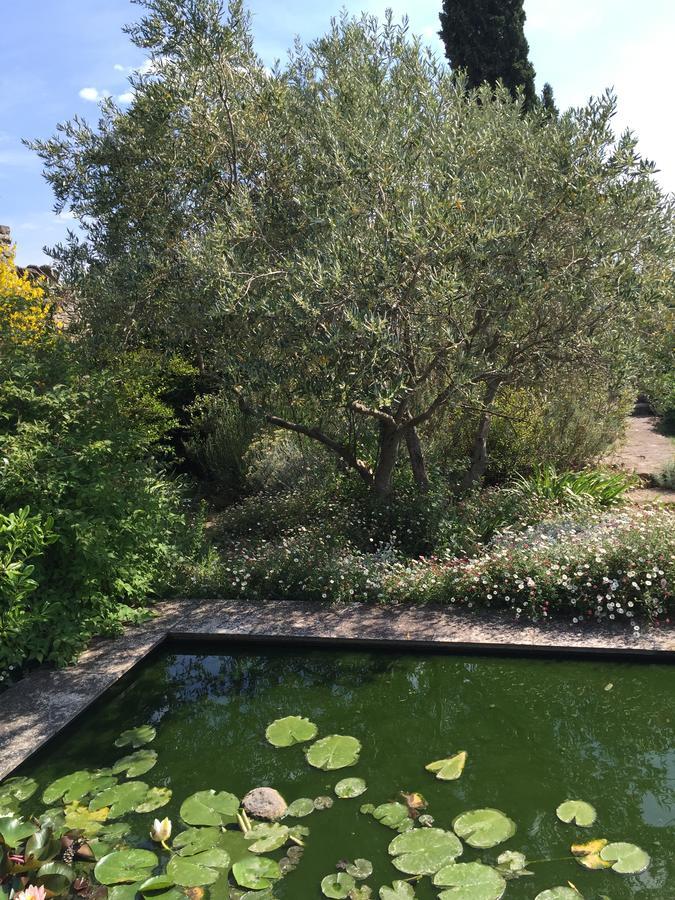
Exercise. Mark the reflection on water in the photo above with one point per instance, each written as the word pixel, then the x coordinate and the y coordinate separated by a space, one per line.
pixel 537 733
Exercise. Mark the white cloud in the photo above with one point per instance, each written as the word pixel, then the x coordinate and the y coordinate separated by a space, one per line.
pixel 566 18
pixel 126 97
pixel 92 94
pixel 118 68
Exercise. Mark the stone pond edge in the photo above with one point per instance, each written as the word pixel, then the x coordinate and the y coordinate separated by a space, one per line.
pixel 37 708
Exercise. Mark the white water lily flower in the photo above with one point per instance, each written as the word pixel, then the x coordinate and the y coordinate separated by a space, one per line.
pixel 161 831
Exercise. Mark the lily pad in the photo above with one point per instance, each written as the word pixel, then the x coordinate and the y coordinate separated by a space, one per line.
pixel 578 812
pixel 559 893
pixel 300 808
pixel 394 815
pixel 210 808
pixel 15 830
pixel 627 859
pixel 156 883
pixel 137 737
pixel 198 869
pixel 195 840
pixel 135 764
pixel 290 730
pixel 80 818
pixel 55 877
pixel 122 798
pixel 124 866
pixel 337 886
pixel 448 769
pixel 323 802
pixel 267 836
pixel 155 798
pixel 424 851
pixel 76 786
pixel 484 828
pixel 513 862
pixel 17 789
pixel 256 872
pixel 360 869
pixel 400 890
pixel 588 854
pixel 470 881
pixel 124 891
pixel 337 751
pixel 350 787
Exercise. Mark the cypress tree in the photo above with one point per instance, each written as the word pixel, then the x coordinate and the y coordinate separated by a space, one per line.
pixel 487 38
pixel 548 101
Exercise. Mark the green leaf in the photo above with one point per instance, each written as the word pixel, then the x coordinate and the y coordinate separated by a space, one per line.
pixel 135 764
pixel 350 787
pixel 470 881
pixel 300 808
pixel 124 866
pixel 448 769
pixel 195 840
pixel 559 893
pixel 137 737
pixel 155 798
pixel 124 891
pixel 334 752
pixel 43 845
pixel 199 868
pixel 400 890
pixel 627 859
pixel 394 815
pixel 256 873
pixel 337 886
pixel 360 869
pixel 18 788
pixel 56 877
pixel 77 785
pixel 424 851
pixel 122 798
pixel 484 828
pixel 15 830
pixel 577 811
pixel 156 883
pixel 512 861
pixel 210 808
pixel 267 836
pixel 290 730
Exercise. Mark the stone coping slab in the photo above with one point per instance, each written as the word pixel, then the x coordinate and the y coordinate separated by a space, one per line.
pixel 36 708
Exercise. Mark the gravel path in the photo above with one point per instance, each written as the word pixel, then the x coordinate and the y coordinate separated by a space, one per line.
pixel 646 452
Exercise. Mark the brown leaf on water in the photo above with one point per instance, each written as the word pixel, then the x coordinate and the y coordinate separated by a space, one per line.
pixel 195 893
pixel 415 803
pixel 588 854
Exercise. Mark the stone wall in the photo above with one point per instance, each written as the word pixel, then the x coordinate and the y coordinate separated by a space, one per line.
pixel 31 271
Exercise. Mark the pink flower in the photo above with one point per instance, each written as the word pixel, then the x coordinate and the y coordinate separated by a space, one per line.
pixel 31 893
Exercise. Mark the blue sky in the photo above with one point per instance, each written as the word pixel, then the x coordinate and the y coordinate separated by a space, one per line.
pixel 57 56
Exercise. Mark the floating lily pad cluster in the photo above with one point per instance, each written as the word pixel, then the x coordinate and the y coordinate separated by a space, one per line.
pixel 79 846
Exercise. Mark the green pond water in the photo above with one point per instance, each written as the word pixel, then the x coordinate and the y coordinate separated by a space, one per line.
pixel 537 732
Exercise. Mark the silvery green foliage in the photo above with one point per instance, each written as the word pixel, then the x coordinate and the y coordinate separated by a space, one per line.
pixel 356 231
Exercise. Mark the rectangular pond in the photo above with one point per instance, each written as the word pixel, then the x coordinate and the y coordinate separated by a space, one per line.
pixel 537 732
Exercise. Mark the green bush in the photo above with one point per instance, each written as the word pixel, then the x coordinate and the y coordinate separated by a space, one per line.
pixel 217 437
pixel 567 425
pixel 76 447
pixel 666 477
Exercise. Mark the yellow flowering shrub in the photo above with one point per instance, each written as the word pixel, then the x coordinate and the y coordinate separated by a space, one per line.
pixel 24 311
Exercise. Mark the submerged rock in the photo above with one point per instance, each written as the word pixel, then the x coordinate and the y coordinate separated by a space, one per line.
pixel 264 803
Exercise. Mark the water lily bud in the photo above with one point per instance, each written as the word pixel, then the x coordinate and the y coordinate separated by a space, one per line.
pixel 161 831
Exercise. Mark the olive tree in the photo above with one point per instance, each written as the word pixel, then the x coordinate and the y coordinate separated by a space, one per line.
pixel 354 242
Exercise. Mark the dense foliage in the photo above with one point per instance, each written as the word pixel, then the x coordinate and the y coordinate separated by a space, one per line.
pixel 353 245
pixel 91 528
pixel 487 39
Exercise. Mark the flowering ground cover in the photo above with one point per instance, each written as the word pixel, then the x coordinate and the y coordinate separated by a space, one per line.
pixel 584 565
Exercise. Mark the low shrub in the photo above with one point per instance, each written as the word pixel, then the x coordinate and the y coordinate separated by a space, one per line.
pixel 617 566
pixel 574 489
pixel 666 477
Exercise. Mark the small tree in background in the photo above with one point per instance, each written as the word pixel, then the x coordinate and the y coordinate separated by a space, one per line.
pixel 487 39
pixel 548 101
